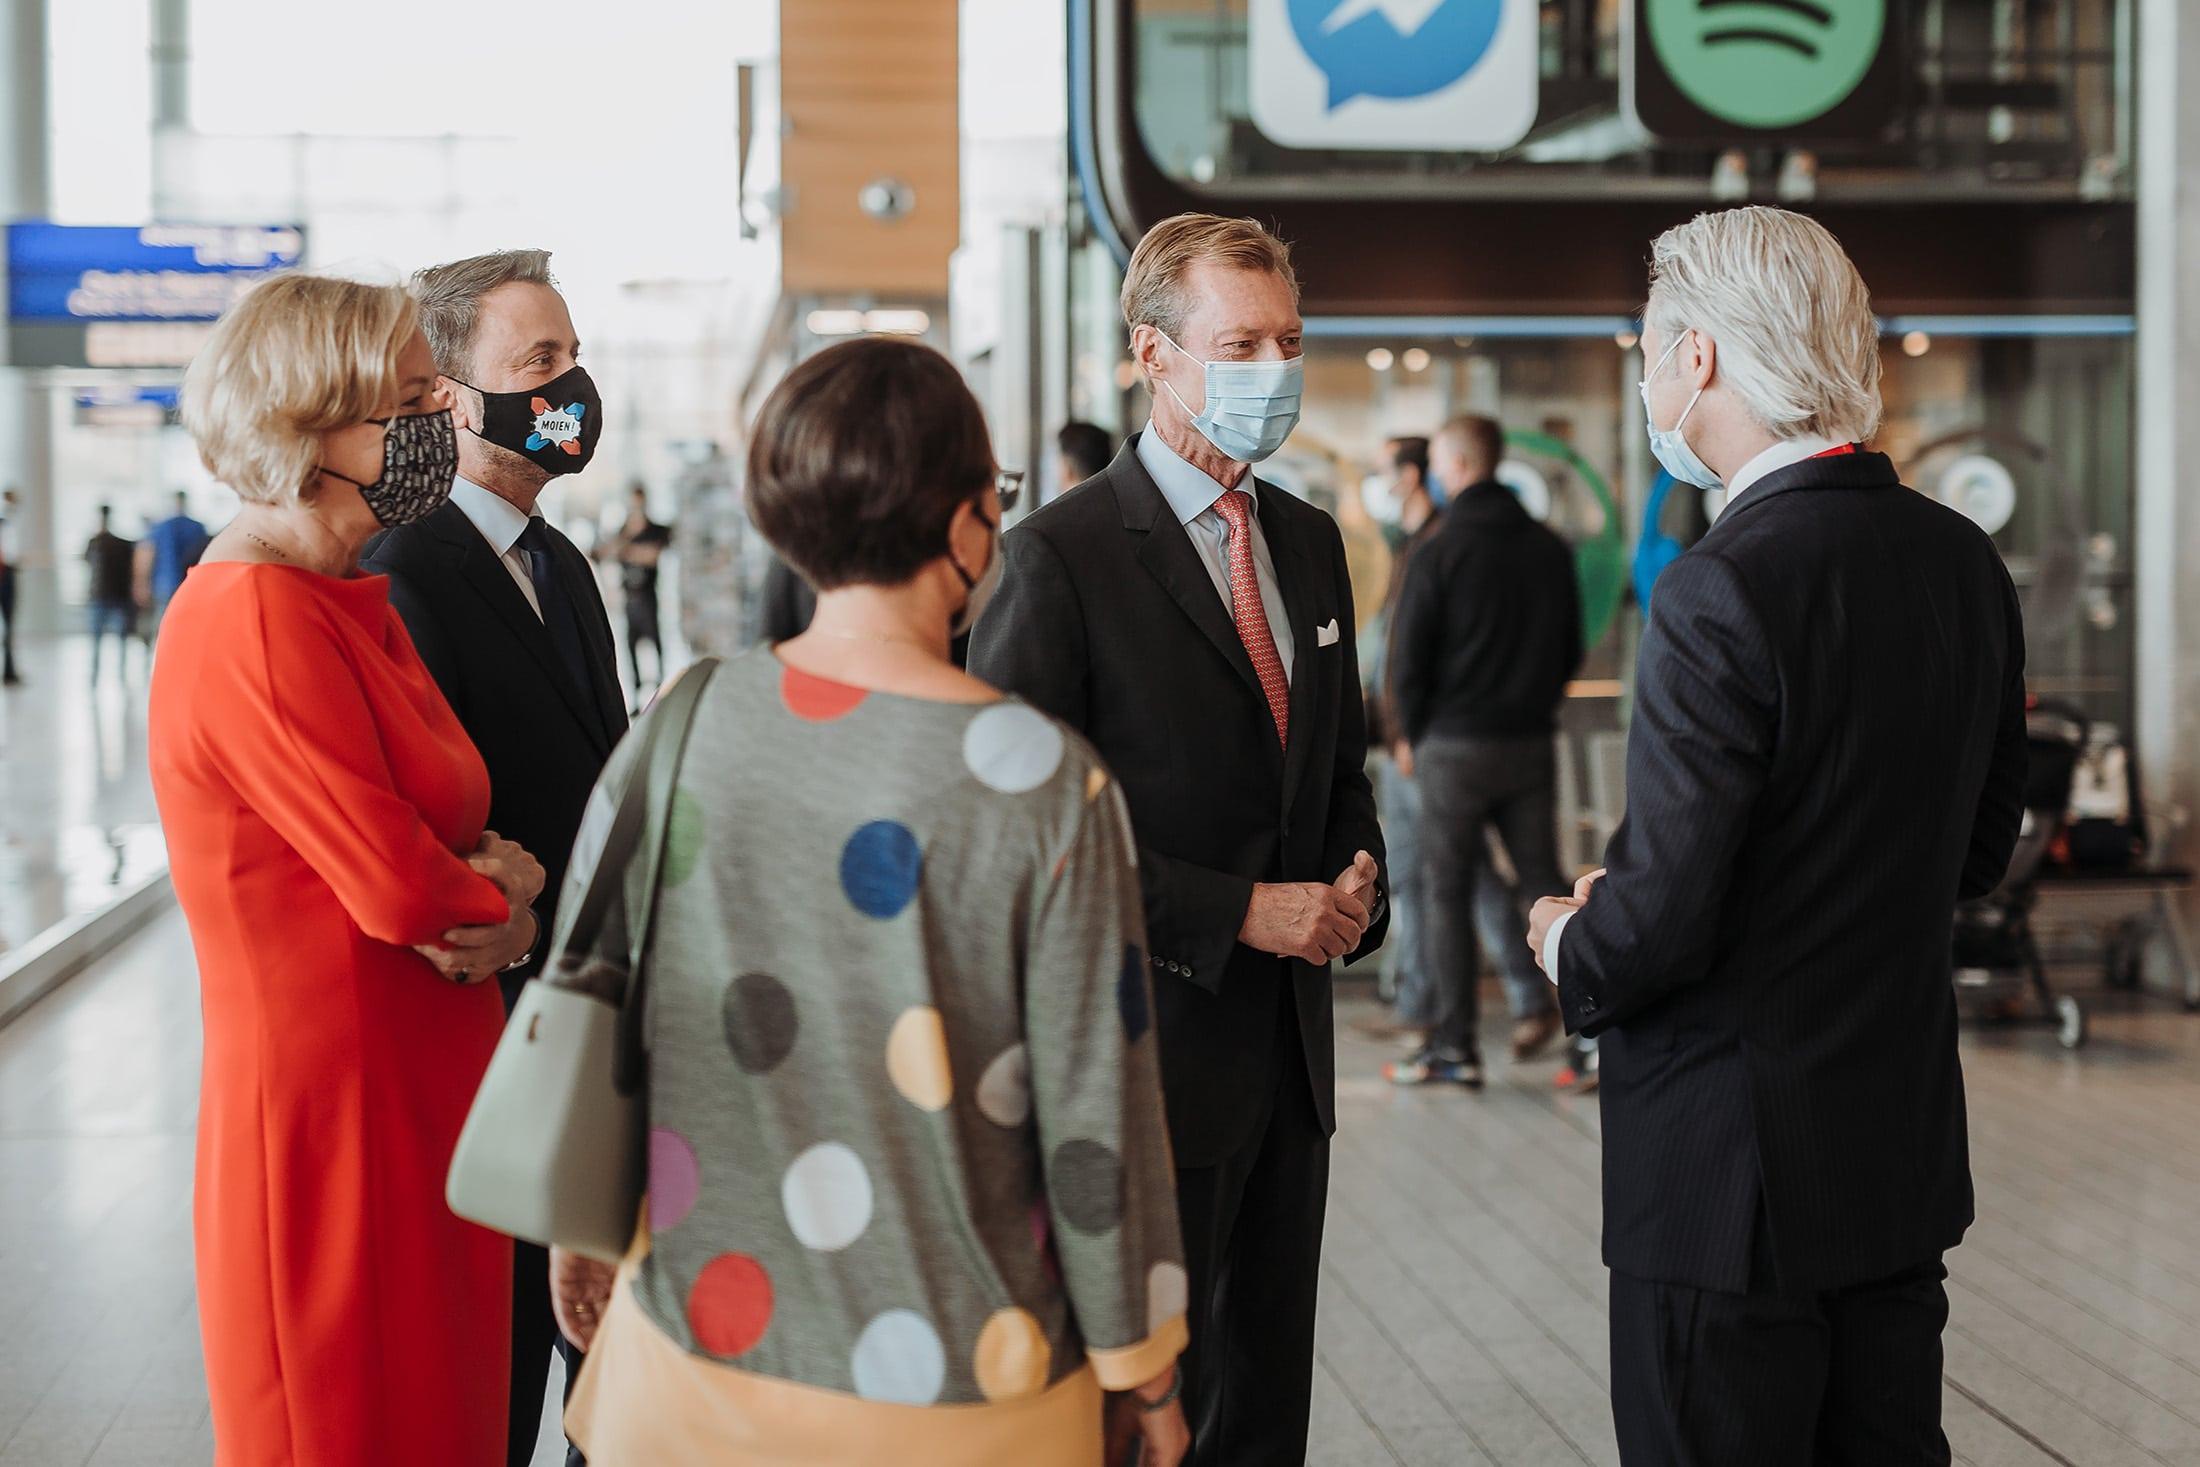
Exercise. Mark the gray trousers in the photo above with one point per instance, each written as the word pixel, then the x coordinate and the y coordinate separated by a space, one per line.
pixel 1509 785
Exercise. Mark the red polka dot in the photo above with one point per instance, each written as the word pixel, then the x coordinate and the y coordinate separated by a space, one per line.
pixel 815 699
pixel 730 1306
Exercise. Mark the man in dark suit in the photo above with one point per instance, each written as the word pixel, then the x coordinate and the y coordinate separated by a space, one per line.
pixel 1486 636
pixel 1827 755
pixel 1196 625
pixel 506 614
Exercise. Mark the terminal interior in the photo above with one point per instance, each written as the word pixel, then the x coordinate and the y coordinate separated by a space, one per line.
pixel 728 188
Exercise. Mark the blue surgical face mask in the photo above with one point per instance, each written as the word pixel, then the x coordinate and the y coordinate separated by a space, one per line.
pixel 1251 406
pixel 1666 444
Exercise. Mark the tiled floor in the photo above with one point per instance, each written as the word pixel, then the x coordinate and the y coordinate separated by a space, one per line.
pixel 1462 1301
pixel 76 805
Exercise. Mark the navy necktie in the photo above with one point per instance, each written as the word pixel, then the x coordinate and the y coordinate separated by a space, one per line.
pixel 558 617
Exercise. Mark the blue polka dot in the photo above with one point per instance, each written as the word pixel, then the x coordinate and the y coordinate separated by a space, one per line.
pixel 879 868
pixel 1130 995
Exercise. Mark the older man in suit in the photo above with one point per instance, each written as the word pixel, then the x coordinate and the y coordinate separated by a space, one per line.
pixel 506 614
pixel 1828 753
pixel 1196 624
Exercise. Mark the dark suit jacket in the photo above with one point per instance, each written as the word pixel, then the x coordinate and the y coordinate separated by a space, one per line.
pixel 1828 753
pixel 1108 620
pixel 544 739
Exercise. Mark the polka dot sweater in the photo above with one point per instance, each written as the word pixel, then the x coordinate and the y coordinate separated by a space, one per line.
pixel 907 1142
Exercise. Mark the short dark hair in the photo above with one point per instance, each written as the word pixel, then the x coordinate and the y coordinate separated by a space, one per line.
pixel 860 458
pixel 1414 451
pixel 1087 447
pixel 1482 438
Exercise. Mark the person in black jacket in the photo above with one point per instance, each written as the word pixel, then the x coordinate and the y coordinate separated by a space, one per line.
pixel 1196 625
pixel 505 612
pixel 1488 634
pixel 1827 755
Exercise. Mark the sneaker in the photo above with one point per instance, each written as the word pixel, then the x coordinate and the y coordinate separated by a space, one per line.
pixel 1429 1069
pixel 1532 1034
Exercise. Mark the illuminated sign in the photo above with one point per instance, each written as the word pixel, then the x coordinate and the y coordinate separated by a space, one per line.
pixel 1779 70
pixel 1414 75
pixel 124 296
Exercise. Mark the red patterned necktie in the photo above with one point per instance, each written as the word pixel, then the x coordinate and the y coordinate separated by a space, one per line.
pixel 1251 616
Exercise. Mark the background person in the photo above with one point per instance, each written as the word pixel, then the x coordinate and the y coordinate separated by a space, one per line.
pixel 909 1188
pixel 1488 634
pixel 506 614
pixel 1196 624
pixel 171 547
pixel 1784 1149
pixel 114 592
pixel 1081 451
pixel 320 805
pixel 638 547
pixel 11 554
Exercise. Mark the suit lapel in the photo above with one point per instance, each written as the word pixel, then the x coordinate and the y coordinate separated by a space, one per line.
pixel 1295 578
pixel 481 569
pixel 1168 554
pixel 603 658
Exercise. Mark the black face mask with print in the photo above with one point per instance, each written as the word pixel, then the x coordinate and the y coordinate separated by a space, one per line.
pixel 554 426
pixel 419 461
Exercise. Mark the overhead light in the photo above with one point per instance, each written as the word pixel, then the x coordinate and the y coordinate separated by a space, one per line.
pixel 1626 340
pixel 1917 343
pixel 1380 359
pixel 900 322
pixel 835 323
pixel 1416 359
pixel 1126 374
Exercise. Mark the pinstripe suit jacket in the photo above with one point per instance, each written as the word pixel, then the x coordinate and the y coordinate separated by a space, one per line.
pixel 1827 754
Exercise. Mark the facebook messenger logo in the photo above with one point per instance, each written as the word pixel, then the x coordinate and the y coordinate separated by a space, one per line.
pixel 1442 75
pixel 1394 48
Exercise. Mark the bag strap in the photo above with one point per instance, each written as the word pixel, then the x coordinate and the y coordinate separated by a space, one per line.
pixel 632 825
pixel 657 771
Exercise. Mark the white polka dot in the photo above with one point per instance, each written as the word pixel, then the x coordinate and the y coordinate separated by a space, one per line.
pixel 1012 748
pixel 898 1358
pixel 1004 1090
pixel 1168 1294
pixel 827 1194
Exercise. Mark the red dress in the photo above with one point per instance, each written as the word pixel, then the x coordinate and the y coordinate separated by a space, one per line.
pixel 314 786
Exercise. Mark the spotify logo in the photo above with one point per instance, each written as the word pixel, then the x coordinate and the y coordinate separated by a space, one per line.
pixel 1765 64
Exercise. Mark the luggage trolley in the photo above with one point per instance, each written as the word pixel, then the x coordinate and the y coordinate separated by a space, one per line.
pixel 1995 954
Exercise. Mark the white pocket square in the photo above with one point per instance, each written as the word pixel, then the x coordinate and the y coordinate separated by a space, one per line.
pixel 1326 636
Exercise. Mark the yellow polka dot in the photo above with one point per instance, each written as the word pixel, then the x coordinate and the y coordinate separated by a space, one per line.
pixel 1096 780
pixel 916 1058
pixel 1013 1357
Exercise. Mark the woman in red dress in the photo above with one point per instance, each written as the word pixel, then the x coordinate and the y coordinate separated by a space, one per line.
pixel 324 819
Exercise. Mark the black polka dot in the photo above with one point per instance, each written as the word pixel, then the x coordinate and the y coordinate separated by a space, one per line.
pixel 760 1022
pixel 1086 1183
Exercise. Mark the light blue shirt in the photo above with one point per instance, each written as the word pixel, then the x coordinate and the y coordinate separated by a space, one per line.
pixel 1191 495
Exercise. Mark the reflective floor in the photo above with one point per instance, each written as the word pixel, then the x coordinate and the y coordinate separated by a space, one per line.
pixel 76 805
pixel 1462 1317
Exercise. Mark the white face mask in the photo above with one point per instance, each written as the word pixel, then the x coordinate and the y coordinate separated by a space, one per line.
pixel 1251 406
pixel 1666 444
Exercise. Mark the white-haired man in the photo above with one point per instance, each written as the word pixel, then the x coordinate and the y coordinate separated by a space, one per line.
pixel 505 612
pixel 1196 625
pixel 1827 754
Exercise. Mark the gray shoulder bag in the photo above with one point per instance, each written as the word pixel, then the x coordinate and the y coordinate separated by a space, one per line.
pixel 555 1149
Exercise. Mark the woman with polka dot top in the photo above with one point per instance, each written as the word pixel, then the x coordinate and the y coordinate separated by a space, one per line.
pixel 910 1193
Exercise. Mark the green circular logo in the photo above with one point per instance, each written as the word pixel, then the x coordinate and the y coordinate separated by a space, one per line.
pixel 1766 63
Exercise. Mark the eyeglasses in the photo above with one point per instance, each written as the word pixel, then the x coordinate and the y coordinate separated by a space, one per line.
pixel 1009 485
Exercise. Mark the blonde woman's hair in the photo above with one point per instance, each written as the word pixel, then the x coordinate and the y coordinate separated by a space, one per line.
pixel 1796 336
pixel 298 356
pixel 1153 293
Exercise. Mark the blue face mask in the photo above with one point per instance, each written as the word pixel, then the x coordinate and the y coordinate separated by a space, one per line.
pixel 1666 444
pixel 1251 406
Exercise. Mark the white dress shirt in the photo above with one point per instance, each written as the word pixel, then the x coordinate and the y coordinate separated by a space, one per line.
pixel 1192 496
pixel 501 523
pixel 1781 455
